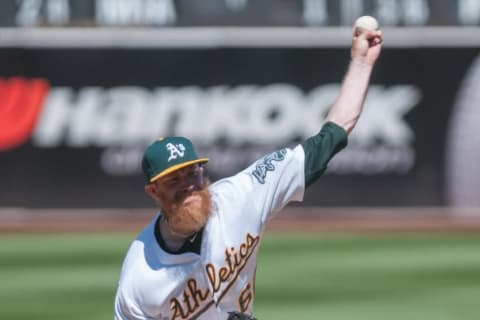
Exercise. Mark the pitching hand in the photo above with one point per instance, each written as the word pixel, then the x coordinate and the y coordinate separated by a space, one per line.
pixel 366 45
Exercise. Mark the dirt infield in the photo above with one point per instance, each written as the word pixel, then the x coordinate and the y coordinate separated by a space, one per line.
pixel 296 219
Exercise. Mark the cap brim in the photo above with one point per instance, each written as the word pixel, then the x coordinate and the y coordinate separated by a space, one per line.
pixel 178 166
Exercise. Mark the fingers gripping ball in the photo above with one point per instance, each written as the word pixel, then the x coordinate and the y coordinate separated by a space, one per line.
pixel 367 38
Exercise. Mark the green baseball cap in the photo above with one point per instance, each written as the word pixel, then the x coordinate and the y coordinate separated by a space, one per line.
pixel 167 155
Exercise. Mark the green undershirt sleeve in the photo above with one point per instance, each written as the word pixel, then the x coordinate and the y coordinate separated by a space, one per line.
pixel 320 148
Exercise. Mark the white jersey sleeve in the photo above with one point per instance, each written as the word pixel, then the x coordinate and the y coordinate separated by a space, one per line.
pixel 270 183
pixel 278 179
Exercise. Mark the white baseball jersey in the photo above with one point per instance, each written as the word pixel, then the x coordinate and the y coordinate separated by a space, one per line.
pixel 155 284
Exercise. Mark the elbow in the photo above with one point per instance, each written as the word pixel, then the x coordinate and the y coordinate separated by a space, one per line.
pixel 346 124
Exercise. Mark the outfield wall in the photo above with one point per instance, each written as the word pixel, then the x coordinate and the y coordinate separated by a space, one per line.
pixel 88 110
pixel 291 219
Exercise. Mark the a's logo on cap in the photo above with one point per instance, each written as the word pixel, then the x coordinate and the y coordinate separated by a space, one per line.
pixel 175 151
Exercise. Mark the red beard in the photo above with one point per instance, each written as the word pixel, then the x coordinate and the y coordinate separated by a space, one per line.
pixel 190 217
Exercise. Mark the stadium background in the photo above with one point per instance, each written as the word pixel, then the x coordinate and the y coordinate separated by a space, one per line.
pixel 391 230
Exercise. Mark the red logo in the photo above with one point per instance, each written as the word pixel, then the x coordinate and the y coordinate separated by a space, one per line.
pixel 21 101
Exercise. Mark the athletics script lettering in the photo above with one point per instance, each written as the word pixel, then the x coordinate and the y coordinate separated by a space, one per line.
pixel 235 261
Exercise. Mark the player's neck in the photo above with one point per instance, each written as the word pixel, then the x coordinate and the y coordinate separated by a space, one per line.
pixel 173 240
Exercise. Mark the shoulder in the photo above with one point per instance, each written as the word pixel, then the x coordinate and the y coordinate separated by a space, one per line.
pixel 268 168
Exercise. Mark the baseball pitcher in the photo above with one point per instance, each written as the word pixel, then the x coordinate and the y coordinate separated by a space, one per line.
pixel 197 257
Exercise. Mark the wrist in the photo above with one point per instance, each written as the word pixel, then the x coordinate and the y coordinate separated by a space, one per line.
pixel 361 63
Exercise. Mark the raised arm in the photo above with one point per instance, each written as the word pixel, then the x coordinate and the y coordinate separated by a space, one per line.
pixel 344 113
pixel 366 47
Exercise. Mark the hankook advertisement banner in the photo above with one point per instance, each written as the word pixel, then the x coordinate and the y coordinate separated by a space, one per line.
pixel 74 122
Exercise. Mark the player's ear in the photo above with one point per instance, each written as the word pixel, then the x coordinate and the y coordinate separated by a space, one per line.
pixel 151 190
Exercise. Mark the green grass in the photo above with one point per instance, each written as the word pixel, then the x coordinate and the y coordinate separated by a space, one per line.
pixel 382 277
pixel 299 277
pixel 59 276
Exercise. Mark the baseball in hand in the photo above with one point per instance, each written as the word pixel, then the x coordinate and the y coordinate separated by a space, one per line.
pixel 366 23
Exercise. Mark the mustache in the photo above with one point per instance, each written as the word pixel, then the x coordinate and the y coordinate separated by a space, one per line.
pixel 178 200
pixel 199 190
